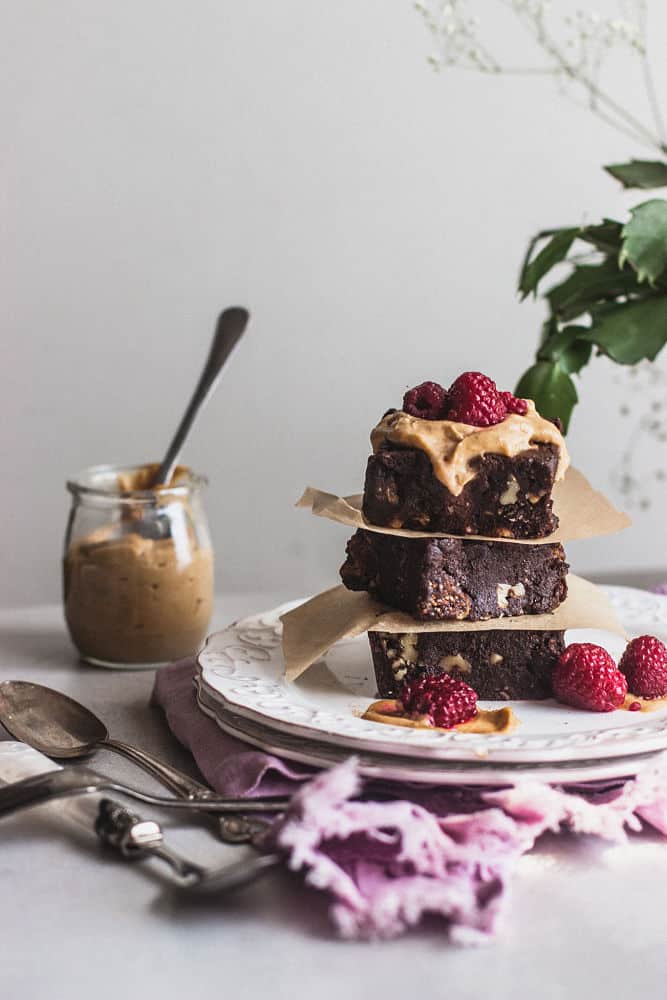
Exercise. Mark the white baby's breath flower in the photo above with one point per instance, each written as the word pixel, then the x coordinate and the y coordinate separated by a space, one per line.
pixel 572 47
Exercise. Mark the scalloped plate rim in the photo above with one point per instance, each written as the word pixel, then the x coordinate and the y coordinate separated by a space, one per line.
pixel 381 766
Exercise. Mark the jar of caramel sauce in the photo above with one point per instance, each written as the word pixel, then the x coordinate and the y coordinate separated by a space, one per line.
pixel 137 566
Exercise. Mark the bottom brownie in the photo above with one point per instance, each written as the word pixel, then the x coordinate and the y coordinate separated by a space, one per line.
pixel 499 664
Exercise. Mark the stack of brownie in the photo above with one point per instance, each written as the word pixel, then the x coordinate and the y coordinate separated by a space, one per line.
pixel 466 578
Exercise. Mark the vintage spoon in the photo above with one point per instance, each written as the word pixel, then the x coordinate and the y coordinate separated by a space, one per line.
pixel 60 727
pixel 228 331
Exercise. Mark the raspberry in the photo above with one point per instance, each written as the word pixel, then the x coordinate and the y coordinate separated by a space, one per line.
pixel 587 677
pixel 474 399
pixel 644 664
pixel 426 401
pixel 513 404
pixel 446 701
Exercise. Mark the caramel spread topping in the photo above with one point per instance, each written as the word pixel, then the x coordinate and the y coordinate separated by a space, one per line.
pixel 488 723
pixel 134 480
pixel 645 704
pixel 452 447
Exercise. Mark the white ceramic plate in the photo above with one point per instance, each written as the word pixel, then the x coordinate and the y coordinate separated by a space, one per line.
pixel 241 676
pixel 414 769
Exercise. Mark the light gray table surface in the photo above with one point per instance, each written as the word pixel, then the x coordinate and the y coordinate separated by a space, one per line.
pixel 587 920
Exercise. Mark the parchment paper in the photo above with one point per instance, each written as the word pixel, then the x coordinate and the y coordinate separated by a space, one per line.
pixel 582 511
pixel 314 627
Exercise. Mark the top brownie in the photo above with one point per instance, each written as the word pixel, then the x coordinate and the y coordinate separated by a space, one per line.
pixel 507 498
pixel 469 460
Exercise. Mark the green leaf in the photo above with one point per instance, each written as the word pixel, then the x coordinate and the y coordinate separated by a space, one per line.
pixel 551 388
pixel 631 331
pixel 588 285
pixel 567 347
pixel 576 356
pixel 644 174
pixel 645 240
pixel 553 253
pixel 605 237
pixel 549 329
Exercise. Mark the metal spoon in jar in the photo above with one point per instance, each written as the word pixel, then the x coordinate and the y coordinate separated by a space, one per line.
pixel 228 331
pixel 60 727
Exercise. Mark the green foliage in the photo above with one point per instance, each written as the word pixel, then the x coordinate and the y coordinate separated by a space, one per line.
pixel 547 382
pixel 632 331
pixel 613 300
pixel 645 240
pixel 589 285
pixel 569 347
pixel 553 253
pixel 606 237
pixel 646 174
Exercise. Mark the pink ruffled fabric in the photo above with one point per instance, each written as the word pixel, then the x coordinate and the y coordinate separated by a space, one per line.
pixel 389 855
pixel 389 864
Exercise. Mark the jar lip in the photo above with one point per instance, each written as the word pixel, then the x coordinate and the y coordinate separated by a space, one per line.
pixel 84 484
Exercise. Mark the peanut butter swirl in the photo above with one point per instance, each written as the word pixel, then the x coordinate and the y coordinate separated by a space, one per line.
pixel 452 447
pixel 487 722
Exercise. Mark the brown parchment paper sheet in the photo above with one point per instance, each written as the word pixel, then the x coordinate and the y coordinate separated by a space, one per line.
pixel 314 627
pixel 582 512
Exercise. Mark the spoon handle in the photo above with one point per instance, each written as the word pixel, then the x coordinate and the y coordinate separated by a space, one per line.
pixel 229 329
pixel 134 837
pixel 179 782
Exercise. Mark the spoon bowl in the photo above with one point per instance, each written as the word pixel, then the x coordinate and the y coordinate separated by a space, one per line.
pixel 60 727
pixel 49 721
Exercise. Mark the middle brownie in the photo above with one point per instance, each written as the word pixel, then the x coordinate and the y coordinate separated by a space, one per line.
pixel 446 578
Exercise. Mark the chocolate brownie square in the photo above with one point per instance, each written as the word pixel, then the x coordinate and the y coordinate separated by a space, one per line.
pixel 447 578
pixel 508 497
pixel 500 664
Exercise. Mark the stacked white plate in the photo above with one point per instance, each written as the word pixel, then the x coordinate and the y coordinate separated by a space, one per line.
pixel 316 720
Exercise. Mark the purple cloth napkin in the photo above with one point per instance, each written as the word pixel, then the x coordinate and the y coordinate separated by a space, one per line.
pixel 390 854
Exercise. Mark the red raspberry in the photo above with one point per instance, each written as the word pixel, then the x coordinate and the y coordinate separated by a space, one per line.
pixel 426 401
pixel 474 399
pixel 644 664
pixel 446 701
pixel 513 404
pixel 587 677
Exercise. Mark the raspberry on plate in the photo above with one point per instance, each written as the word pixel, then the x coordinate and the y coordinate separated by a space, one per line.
pixel 447 702
pixel 587 677
pixel 474 399
pixel 426 401
pixel 514 404
pixel 644 664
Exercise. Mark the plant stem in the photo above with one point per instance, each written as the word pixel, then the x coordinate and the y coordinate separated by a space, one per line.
pixel 649 82
pixel 577 75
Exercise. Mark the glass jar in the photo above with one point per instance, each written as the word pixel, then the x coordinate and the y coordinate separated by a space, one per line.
pixel 137 567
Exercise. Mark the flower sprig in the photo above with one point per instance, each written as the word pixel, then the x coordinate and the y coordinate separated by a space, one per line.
pixel 572 49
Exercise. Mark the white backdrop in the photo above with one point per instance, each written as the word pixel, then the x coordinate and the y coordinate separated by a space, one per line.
pixel 163 159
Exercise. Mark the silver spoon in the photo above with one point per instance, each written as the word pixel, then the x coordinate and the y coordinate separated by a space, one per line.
pixel 60 727
pixel 228 331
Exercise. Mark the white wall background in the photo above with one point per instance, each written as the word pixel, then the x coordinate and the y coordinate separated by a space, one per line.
pixel 161 159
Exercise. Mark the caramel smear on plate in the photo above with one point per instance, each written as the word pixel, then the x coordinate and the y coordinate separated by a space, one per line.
pixel 486 723
pixel 646 704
